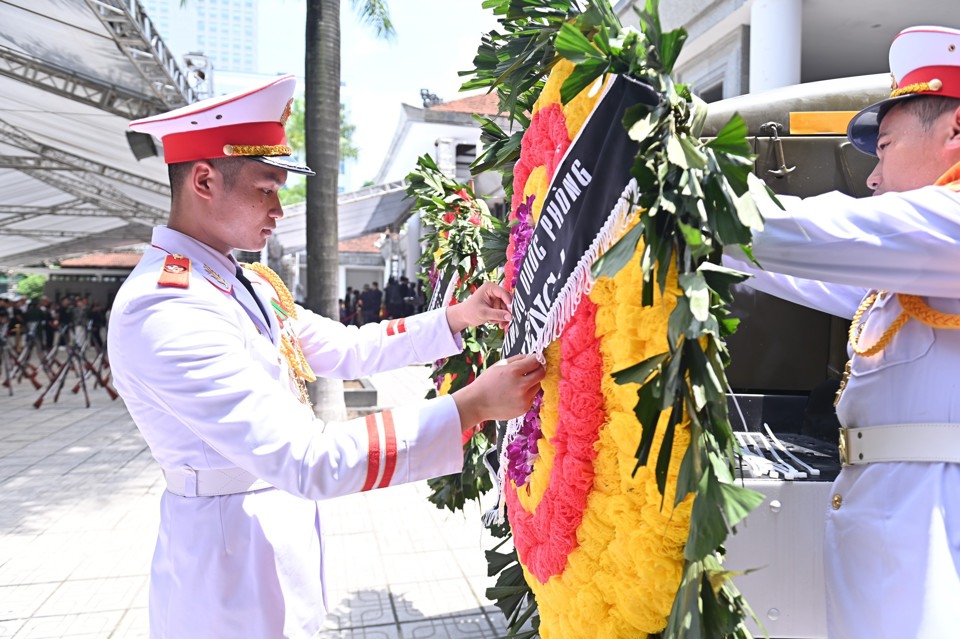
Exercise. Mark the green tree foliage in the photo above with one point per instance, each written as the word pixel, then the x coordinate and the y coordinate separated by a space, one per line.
pixel 31 286
pixel 296 135
pixel 296 189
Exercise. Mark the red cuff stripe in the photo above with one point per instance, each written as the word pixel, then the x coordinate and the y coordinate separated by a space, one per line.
pixel 396 327
pixel 390 444
pixel 373 452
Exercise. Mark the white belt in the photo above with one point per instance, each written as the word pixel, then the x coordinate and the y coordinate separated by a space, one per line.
pixel 900 443
pixel 190 482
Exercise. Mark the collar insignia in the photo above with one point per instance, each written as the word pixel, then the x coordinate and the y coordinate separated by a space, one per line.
pixel 219 278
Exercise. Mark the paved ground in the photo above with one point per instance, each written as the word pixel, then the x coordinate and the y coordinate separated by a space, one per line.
pixel 79 497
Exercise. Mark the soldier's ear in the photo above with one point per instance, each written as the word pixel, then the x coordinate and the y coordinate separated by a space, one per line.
pixel 203 179
pixel 955 123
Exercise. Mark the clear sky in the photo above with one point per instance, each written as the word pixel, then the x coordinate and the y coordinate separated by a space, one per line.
pixel 434 40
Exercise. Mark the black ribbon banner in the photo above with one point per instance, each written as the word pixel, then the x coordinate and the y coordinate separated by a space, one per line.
pixel 584 192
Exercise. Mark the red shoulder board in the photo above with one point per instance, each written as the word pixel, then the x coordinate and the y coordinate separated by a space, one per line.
pixel 176 272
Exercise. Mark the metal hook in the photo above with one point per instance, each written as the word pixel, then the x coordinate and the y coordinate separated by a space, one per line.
pixel 775 128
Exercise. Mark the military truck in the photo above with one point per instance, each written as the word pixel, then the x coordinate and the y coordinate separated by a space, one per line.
pixel 787 359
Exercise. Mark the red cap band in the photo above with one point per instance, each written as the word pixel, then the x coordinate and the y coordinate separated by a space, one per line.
pixel 949 76
pixel 208 144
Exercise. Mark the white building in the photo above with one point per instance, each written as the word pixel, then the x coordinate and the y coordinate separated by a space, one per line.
pixel 747 46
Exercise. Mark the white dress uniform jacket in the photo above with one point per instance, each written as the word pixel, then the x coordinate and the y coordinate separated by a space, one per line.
pixel 892 546
pixel 201 372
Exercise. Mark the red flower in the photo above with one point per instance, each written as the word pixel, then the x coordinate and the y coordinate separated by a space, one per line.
pixel 468 434
pixel 546 537
pixel 449 217
pixel 544 143
pixel 475 219
pixel 463 194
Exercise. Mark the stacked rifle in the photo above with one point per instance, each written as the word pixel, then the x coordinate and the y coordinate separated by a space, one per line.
pixel 51 356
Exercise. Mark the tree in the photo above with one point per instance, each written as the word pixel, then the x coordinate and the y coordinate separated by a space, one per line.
pixel 297 192
pixel 296 137
pixel 322 123
pixel 31 286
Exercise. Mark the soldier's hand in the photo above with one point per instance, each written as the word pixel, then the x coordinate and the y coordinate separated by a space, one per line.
pixel 489 303
pixel 503 391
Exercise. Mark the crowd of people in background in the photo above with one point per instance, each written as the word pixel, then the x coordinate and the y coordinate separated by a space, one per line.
pixel 398 298
pixel 43 319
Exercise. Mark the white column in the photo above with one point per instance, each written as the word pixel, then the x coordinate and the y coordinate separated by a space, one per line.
pixel 341 280
pixel 775 29
pixel 414 229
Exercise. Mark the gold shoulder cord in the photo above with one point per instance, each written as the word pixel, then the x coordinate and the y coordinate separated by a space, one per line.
pixel 913 307
pixel 290 347
pixel 286 298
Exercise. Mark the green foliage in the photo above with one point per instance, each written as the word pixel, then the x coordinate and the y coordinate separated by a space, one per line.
pixel 464 245
pixel 296 131
pixel 515 62
pixel 453 491
pixel 31 286
pixel 524 52
pixel 511 593
pixel 375 14
pixel 293 193
pixel 295 190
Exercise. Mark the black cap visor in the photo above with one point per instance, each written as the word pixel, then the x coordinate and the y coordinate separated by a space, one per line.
pixel 284 162
pixel 864 128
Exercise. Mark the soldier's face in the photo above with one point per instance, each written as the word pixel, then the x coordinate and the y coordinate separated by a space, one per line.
pixel 909 154
pixel 246 212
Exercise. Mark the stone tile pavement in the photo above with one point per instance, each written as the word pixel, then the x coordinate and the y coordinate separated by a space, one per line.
pixel 79 497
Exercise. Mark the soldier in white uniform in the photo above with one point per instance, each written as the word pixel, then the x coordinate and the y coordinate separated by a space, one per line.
pixel 212 361
pixel 892 264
